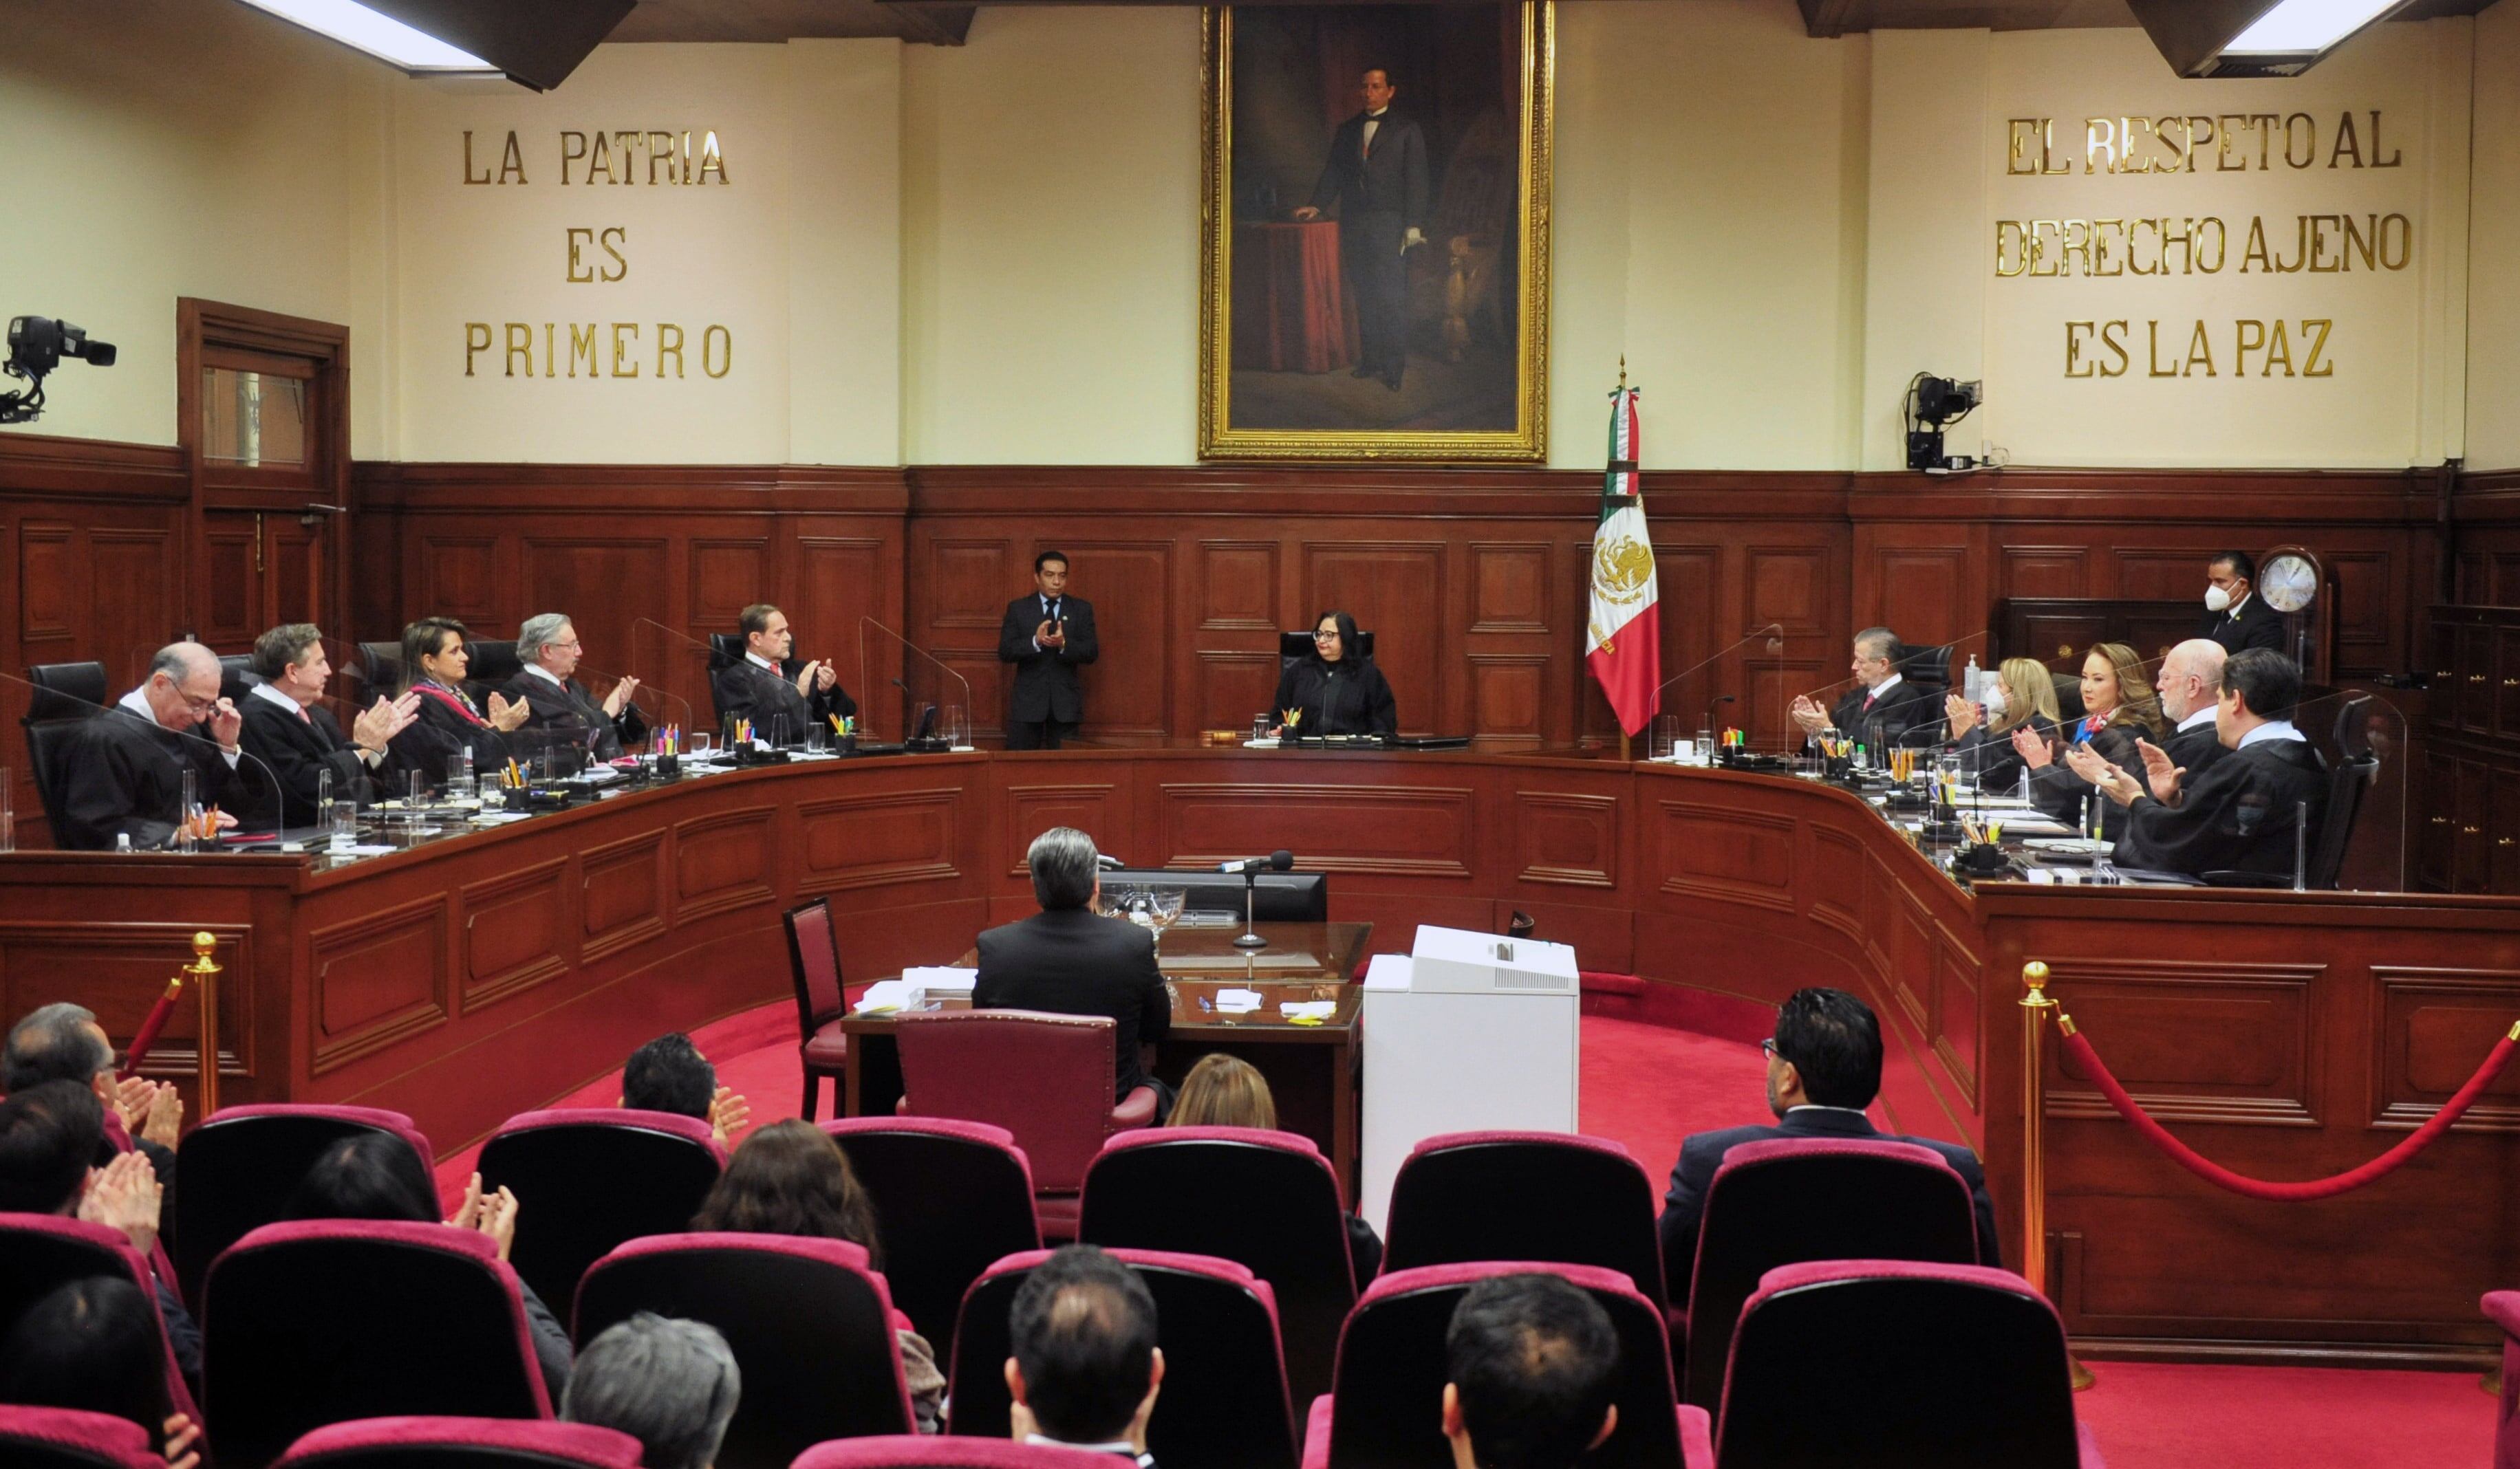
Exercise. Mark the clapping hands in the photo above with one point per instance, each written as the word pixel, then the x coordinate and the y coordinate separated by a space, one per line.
pixel 728 1115
pixel 491 1214
pixel 2032 747
pixel 377 725
pixel 505 717
pixel 124 1196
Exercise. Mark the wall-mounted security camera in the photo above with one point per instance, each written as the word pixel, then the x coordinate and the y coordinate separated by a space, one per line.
pixel 36 346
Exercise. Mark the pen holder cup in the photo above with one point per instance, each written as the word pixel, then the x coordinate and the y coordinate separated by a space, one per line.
pixel 1839 768
pixel 845 745
pixel 670 767
pixel 515 798
pixel 1985 859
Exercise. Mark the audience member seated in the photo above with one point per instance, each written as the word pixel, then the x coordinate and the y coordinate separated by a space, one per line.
pixel 1069 959
pixel 63 1043
pixel 1228 1091
pixel 548 646
pixel 448 721
pixel 91 1344
pixel 356 1178
pixel 50 1137
pixel 792 1179
pixel 1882 710
pixel 1086 1368
pixel 1824 1067
pixel 2241 814
pixel 767 685
pixel 1531 1362
pixel 2118 710
pixel 670 1075
pixel 287 729
pixel 124 774
pixel 2016 696
pixel 670 1383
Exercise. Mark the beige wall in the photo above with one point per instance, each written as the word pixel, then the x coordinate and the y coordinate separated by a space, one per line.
pixel 988 253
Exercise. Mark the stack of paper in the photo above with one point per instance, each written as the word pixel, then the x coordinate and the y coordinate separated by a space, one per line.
pixel 1237 1002
pixel 1308 1009
pixel 941 979
pixel 887 995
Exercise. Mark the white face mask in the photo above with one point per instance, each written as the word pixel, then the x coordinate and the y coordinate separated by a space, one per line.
pixel 1992 695
pixel 2217 600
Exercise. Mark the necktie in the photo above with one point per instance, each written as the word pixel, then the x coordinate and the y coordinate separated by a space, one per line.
pixel 1867 702
pixel 303 717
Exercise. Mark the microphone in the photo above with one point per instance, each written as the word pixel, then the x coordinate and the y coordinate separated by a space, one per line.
pixel 1721 698
pixel 1108 863
pixel 1276 862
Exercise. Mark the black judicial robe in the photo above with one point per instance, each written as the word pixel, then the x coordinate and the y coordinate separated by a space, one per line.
pixel 2252 624
pixel 444 727
pixel 746 689
pixel 126 774
pixel 2191 750
pixel 2062 796
pixel 2236 816
pixel 1988 755
pixel 299 751
pixel 570 710
pixel 1345 697
pixel 1906 714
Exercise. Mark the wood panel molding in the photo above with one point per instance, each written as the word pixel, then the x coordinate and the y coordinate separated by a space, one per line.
pixel 517 932
pixel 53 468
pixel 1387 830
pixel 2207 1042
pixel 2431 1028
pixel 621 894
pixel 378 979
pixel 878 840
pixel 722 863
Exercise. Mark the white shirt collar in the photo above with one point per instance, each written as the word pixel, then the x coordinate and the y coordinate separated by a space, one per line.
pixel 138 704
pixel 749 656
pixel 273 693
pixel 1876 689
pixel 556 681
pixel 2235 608
pixel 1116 1446
pixel 2274 728
pixel 1818 1107
pixel 2204 716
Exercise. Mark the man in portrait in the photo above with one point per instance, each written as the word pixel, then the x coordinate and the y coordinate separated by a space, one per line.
pixel 1376 180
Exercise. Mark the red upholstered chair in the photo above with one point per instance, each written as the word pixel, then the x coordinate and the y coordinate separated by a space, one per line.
pixel 1497 1195
pixel 814 960
pixel 41 1252
pixel 66 1438
pixel 2503 1309
pixel 1386 1409
pixel 1224 1402
pixel 1044 1078
pixel 950 1199
pixel 324 1321
pixel 913 1451
pixel 1796 1199
pixel 810 1323
pixel 241 1164
pixel 463 1443
pixel 1899 1363
pixel 1264 1200
pixel 588 1179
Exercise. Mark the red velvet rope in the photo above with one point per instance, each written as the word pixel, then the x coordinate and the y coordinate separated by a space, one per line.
pixel 149 1030
pixel 2211 1172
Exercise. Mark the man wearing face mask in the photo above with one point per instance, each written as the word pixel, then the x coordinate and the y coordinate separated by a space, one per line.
pixel 2234 615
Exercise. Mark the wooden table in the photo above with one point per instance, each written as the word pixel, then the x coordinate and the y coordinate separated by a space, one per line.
pixel 1312 1070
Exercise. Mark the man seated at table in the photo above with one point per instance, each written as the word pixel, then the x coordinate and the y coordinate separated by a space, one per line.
pixel 124 774
pixel 2189 683
pixel 1069 960
pixel 2240 813
pixel 1823 1069
pixel 670 1075
pixel 779 696
pixel 1531 1362
pixel 287 729
pixel 1882 710
pixel 1085 1368
pixel 546 643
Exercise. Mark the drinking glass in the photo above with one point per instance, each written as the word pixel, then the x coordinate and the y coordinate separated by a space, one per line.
pixel 459 778
pixel 700 743
pixel 415 796
pixel 816 738
pixel 955 726
pixel 1164 904
pixel 8 815
pixel 345 821
pixel 1665 737
pixel 1259 726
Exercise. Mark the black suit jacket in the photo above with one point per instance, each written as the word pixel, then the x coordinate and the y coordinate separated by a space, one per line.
pixel 2236 816
pixel 1074 962
pixel 573 712
pixel 1046 684
pixel 744 690
pixel 1906 714
pixel 126 774
pixel 1684 1208
pixel 299 751
pixel 2253 625
pixel 1392 180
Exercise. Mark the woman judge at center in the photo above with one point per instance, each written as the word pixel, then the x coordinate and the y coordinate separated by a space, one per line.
pixel 1340 690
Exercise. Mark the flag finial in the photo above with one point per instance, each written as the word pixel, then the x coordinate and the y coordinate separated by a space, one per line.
pixel 1623 372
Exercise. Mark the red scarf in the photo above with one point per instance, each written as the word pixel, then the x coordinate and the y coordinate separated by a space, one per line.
pixel 454 701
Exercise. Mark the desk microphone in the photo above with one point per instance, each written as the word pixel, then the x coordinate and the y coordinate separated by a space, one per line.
pixel 1279 860
pixel 1721 698
pixel 1252 868
pixel 1108 863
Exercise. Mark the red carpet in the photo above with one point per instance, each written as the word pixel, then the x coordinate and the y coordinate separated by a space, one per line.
pixel 1647 1086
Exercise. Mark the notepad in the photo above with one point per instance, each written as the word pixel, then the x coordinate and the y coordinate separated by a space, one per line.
pixel 886 996
pixel 941 979
pixel 1308 1009
pixel 1237 1002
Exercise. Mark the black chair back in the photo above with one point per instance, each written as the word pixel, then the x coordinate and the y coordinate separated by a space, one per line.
pixel 1928 668
pixel 1224 1399
pixel 48 749
pixel 812 1338
pixel 306 1324
pixel 2069 694
pixel 1845 1363
pixel 490 664
pixel 65 690
pixel 1294 647
pixel 240 1168
pixel 1387 1406
pixel 41 1252
pixel 65 694
pixel 1273 1208
pixel 597 1178
pixel 2348 782
pixel 1816 1201
pixel 379 669
pixel 725 649
pixel 949 1202
pixel 237 677
pixel 1522 1197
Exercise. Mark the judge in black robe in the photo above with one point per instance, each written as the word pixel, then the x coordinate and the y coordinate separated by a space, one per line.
pixel 124 774
pixel 1882 710
pixel 1339 692
pixel 2241 813
pixel 762 685
pixel 447 721
pixel 561 707
pixel 300 745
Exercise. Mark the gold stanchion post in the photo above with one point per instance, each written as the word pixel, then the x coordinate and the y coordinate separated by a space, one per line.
pixel 203 971
pixel 2036 1008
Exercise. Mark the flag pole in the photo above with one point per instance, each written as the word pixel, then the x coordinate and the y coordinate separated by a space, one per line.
pixel 1626 756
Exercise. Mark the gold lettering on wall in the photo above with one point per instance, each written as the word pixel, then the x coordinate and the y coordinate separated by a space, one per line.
pixel 627 356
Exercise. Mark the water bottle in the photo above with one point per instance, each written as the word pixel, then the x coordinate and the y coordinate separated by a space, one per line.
pixel 1970 681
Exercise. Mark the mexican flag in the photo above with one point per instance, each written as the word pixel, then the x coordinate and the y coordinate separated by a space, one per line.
pixel 1623 637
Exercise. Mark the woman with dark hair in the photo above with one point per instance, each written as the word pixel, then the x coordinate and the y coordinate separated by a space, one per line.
pixel 372 1177
pixel 1334 690
pixel 90 1344
pixel 448 721
pixel 792 1179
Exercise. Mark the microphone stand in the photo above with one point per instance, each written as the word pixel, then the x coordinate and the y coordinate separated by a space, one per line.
pixel 1250 938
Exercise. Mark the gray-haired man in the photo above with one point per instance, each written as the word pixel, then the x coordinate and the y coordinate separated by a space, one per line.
pixel 670 1383
pixel 1067 960
pixel 546 643
pixel 125 775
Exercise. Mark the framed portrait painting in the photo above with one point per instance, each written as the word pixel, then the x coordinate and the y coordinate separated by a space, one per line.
pixel 1376 241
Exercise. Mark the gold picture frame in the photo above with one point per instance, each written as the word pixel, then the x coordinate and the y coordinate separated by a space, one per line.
pixel 1314 383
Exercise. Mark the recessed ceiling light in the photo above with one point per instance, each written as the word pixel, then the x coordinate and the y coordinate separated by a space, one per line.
pixel 382 36
pixel 2298 25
